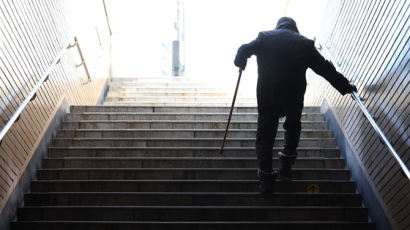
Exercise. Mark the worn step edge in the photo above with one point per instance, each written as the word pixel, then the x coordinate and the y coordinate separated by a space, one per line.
pixel 253 170
pixel 189 158
pixel 159 162
pixel 183 142
pixel 192 213
pixel 189 181
pixel 223 225
pixel 183 130
pixel 228 194
pixel 187 148
pixel 181 173
pixel 227 97
pixel 158 108
pixel 341 186
pixel 183 139
pixel 182 121
pixel 191 198
pixel 177 113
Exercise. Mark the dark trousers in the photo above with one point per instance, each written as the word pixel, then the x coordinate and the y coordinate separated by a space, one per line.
pixel 274 103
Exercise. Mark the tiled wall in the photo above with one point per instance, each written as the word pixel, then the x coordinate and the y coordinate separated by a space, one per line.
pixel 32 33
pixel 370 42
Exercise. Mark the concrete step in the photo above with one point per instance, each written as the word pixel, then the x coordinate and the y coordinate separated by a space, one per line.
pixel 171 84
pixel 191 213
pixel 187 104
pixel 172 94
pixel 139 89
pixel 210 225
pixel 179 152
pixel 177 116
pixel 181 174
pixel 326 186
pixel 190 199
pixel 179 162
pixel 182 142
pixel 178 133
pixel 199 99
pixel 155 79
pixel 176 109
pixel 179 124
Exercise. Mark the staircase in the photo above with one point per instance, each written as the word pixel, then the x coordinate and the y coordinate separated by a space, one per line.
pixel 152 162
pixel 171 92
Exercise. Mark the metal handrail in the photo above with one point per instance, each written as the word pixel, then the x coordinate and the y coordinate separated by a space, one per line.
pixel 106 17
pixel 369 116
pixel 33 93
pixel 76 43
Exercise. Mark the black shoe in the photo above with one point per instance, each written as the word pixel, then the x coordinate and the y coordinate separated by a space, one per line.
pixel 285 165
pixel 266 181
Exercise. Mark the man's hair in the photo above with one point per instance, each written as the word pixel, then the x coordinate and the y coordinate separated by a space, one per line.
pixel 287 23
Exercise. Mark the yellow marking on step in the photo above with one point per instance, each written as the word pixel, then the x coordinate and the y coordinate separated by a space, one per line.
pixel 313 188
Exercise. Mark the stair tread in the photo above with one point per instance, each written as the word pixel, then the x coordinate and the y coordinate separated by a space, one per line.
pixel 228 97
pixel 274 195
pixel 193 207
pixel 187 130
pixel 158 106
pixel 179 113
pixel 179 121
pixel 184 225
pixel 182 138
pixel 204 222
pixel 155 108
pixel 182 173
pixel 197 169
pixel 191 198
pixel 183 148
pixel 221 158
pixel 341 186
pixel 188 181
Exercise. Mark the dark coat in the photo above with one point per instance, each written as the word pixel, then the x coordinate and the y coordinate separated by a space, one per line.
pixel 283 56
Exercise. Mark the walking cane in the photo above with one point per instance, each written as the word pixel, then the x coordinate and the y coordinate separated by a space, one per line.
pixel 230 113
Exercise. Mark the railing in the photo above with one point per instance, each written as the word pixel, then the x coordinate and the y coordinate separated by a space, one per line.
pixel 76 43
pixel 106 17
pixel 369 116
pixel 44 77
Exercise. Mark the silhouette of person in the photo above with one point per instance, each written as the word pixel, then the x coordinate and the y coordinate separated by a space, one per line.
pixel 283 56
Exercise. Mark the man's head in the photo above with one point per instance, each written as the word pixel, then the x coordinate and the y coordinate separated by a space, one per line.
pixel 287 23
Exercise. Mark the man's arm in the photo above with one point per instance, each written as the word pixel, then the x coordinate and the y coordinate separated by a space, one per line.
pixel 247 50
pixel 326 69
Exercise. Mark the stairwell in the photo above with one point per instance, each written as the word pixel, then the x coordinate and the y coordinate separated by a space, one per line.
pixel 148 159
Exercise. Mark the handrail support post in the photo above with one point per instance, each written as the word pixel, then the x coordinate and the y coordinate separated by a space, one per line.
pixel 82 59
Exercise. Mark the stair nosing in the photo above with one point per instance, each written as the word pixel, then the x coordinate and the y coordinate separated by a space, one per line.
pixel 188 169
pixel 199 222
pixel 176 113
pixel 180 121
pixel 197 207
pixel 200 193
pixel 187 130
pixel 102 106
pixel 193 181
pixel 184 138
pixel 185 148
pixel 221 158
